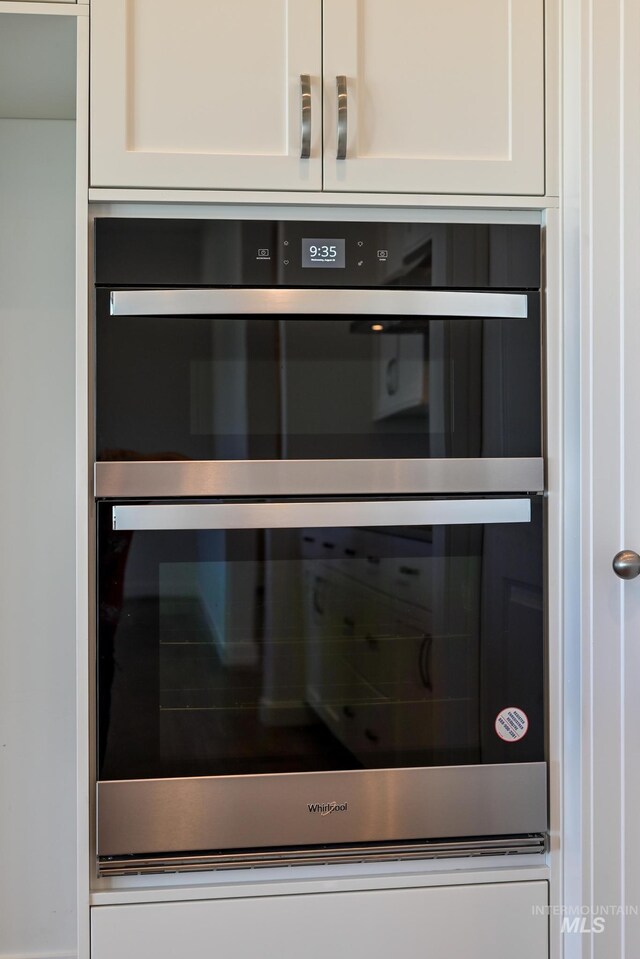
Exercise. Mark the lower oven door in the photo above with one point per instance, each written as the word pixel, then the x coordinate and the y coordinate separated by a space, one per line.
pixel 297 674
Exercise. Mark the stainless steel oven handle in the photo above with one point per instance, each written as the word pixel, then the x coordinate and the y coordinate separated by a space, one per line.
pixel 305 116
pixel 475 305
pixel 300 515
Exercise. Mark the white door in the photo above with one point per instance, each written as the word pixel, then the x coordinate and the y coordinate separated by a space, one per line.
pixel 201 95
pixel 609 890
pixel 441 97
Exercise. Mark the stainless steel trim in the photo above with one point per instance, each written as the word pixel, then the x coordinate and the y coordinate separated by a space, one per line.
pixel 144 817
pixel 476 305
pixel 305 116
pixel 343 111
pixel 149 479
pixel 454 512
pixel 383 852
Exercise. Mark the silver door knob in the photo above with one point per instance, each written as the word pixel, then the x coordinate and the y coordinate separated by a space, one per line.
pixel 626 564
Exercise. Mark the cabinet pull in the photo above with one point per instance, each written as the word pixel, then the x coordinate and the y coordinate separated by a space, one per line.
pixel 341 83
pixel 305 116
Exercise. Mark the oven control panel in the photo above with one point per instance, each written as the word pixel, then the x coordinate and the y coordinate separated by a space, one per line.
pixel 290 253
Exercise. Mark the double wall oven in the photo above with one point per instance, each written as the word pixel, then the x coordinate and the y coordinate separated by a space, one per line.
pixel 320 542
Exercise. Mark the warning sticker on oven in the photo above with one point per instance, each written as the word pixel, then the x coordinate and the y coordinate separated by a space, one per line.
pixel 512 724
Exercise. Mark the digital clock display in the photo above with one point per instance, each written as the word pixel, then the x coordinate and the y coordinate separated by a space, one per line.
pixel 323 252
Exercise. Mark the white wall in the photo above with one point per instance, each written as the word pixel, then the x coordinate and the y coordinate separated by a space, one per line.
pixel 37 584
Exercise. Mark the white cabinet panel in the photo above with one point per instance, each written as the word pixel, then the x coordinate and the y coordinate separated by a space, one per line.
pixel 468 922
pixel 37 67
pixel 37 556
pixel 204 95
pixel 442 97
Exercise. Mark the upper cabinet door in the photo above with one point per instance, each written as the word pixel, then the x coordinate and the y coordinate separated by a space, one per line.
pixel 441 97
pixel 198 94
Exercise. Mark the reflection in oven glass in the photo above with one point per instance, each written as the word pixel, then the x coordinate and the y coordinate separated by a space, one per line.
pixel 303 388
pixel 254 651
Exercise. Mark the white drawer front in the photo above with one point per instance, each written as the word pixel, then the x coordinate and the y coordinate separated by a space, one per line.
pixel 492 921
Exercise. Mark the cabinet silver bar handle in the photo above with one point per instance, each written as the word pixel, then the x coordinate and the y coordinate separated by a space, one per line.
pixel 341 84
pixel 301 515
pixel 305 116
pixel 285 302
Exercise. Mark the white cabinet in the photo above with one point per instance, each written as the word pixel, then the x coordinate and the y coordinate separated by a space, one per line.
pixel 441 97
pixel 466 922
pixel 207 94
pixel 41 263
pixel 204 93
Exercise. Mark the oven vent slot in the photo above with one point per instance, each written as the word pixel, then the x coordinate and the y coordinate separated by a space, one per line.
pixel 324 855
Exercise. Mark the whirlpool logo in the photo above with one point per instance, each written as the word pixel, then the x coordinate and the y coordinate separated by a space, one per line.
pixel 326 808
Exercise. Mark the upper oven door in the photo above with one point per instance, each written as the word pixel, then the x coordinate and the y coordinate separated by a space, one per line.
pixel 278 391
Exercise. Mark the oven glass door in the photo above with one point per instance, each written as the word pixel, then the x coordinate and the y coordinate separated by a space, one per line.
pixel 274 374
pixel 244 638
